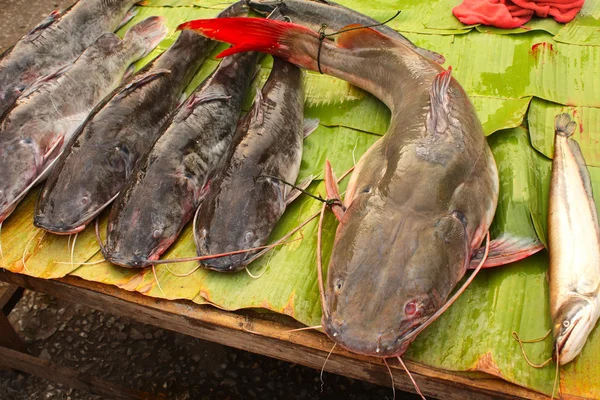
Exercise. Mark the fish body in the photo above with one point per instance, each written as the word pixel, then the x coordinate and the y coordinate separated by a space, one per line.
pixel 248 195
pixel 55 43
pixel 574 246
pixel 420 200
pixel 37 128
pixel 97 164
pixel 331 17
pixel 174 173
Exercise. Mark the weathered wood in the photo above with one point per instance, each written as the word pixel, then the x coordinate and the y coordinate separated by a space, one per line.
pixel 9 297
pixel 69 376
pixel 266 337
pixel 8 337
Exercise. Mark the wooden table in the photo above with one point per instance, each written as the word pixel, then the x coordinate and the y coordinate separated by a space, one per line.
pixel 263 334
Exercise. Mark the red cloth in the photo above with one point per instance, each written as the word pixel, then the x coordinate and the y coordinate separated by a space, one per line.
pixel 509 14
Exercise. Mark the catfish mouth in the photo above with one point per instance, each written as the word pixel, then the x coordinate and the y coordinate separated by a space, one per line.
pixel 561 340
pixel 391 344
pixel 58 230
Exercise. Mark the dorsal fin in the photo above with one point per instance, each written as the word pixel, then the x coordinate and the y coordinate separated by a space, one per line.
pixel 357 36
pixel 437 119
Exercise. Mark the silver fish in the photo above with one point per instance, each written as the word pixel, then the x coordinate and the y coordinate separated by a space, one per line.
pixel 574 246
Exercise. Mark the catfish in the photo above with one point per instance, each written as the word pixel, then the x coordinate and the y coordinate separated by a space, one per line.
pixel 98 162
pixel 421 199
pixel 57 42
pixel 175 173
pixel 35 132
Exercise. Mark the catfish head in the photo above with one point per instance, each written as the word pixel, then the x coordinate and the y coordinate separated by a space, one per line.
pixel 76 192
pixel 389 272
pixel 575 319
pixel 259 203
pixel 20 163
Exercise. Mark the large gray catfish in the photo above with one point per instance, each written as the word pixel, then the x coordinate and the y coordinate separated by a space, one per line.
pixel 315 14
pixel 174 173
pixel 421 198
pixel 55 43
pixel 574 246
pixel 248 195
pixel 35 132
pixel 99 161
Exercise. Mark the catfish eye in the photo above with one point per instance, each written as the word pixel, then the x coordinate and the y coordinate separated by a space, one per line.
pixel 26 141
pixel 338 285
pixel 460 216
pixel 410 308
pixel 156 233
pixel 566 323
pixel 85 200
pixel 366 189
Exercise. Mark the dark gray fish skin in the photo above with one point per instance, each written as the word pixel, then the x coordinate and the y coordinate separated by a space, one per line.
pixel 175 171
pixel 96 166
pixel 243 203
pixel 35 131
pixel 56 42
pixel 316 13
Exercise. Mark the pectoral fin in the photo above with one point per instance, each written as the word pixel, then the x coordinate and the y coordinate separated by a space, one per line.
pixel 506 249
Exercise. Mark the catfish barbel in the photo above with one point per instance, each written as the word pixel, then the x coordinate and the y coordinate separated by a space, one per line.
pixel 37 129
pixel 56 42
pixel 94 169
pixel 574 246
pixel 175 172
pixel 420 200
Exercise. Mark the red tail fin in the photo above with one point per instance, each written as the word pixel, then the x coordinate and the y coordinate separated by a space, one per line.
pixel 247 34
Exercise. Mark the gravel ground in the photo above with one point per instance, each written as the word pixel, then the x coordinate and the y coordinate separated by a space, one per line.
pixel 141 356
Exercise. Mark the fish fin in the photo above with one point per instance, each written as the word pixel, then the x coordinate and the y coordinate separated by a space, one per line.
pixel 356 36
pixel 258 116
pixel 127 17
pixel 333 192
pixel 141 81
pixel 128 73
pixel 295 193
pixel 506 249
pixel 49 20
pixel 432 55
pixel 56 143
pixel 310 125
pixel 42 80
pixel 246 34
pixel 147 34
pixel 563 126
pixel 437 118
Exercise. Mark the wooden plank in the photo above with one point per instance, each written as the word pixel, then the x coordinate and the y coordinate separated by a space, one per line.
pixel 266 337
pixel 68 376
pixel 9 297
pixel 8 337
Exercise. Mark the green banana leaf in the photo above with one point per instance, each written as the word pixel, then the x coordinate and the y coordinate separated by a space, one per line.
pixel 513 80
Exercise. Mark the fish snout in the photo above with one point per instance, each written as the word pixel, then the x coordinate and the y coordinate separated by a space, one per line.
pixel 232 263
pixel 59 227
pixel 128 261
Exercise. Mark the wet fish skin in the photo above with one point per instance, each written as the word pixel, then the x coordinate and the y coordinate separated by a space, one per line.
pixel 574 246
pixel 420 200
pixel 316 13
pixel 245 199
pixel 35 131
pixel 96 166
pixel 55 43
pixel 174 173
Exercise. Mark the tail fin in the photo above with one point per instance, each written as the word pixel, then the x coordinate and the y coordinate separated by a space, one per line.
pixel 248 34
pixel 563 125
pixel 149 33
